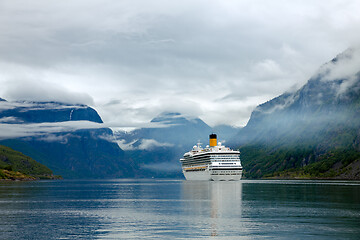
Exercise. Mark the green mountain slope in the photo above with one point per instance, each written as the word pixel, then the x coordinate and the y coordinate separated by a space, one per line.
pixel 15 165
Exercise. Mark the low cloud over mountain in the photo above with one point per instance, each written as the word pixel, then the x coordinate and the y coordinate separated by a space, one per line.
pixel 310 125
pixel 20 119
pixel 70 139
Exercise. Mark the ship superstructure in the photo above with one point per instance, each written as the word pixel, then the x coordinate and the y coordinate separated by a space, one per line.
pixel 214 162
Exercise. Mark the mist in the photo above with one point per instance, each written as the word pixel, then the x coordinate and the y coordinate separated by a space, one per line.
pixel 324 106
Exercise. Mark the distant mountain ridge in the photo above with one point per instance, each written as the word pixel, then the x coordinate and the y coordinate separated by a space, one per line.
pixel 157 150
pixel 73 153
pixel 302 128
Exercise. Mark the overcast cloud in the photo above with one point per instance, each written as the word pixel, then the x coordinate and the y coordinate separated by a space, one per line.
pixel 38 129
pixel 134 59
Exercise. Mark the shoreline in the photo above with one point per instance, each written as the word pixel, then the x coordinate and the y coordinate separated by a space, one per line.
pixel 7 175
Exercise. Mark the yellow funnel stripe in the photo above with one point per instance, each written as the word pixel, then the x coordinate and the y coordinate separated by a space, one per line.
pixel 213 142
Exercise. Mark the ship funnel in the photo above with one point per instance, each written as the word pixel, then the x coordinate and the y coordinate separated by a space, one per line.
pixel 213 140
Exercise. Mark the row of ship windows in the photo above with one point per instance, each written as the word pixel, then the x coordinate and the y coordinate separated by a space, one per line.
pixel 205 164
pixel 208 161
pixel 212 157
pixel 218 169
pixel 202 163
pixel 195 163
pixel 195 170
pixel 213 160
pixel 217 172
pixel 232 160
pixel 197 158
pixel 226 174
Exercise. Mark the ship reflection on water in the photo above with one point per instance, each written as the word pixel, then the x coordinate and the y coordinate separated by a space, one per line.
pixel 218 202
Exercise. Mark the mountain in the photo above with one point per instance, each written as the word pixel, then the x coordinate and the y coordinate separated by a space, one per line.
pixel 157 150
pixel 312 132
pixel 66 138
pixel 16 166
pixel 40 112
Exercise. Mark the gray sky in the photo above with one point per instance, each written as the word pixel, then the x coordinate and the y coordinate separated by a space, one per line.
pixel 132 60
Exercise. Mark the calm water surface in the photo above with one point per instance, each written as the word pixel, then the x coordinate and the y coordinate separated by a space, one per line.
pixel 176 209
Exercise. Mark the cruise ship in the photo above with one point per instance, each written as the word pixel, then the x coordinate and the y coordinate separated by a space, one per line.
pixel 213 163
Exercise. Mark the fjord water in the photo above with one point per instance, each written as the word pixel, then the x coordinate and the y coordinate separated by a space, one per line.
pixel 177 209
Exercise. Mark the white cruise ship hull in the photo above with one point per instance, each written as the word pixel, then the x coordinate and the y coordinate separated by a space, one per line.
pixel 226 177
pixel 209 175
pixel 205 175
